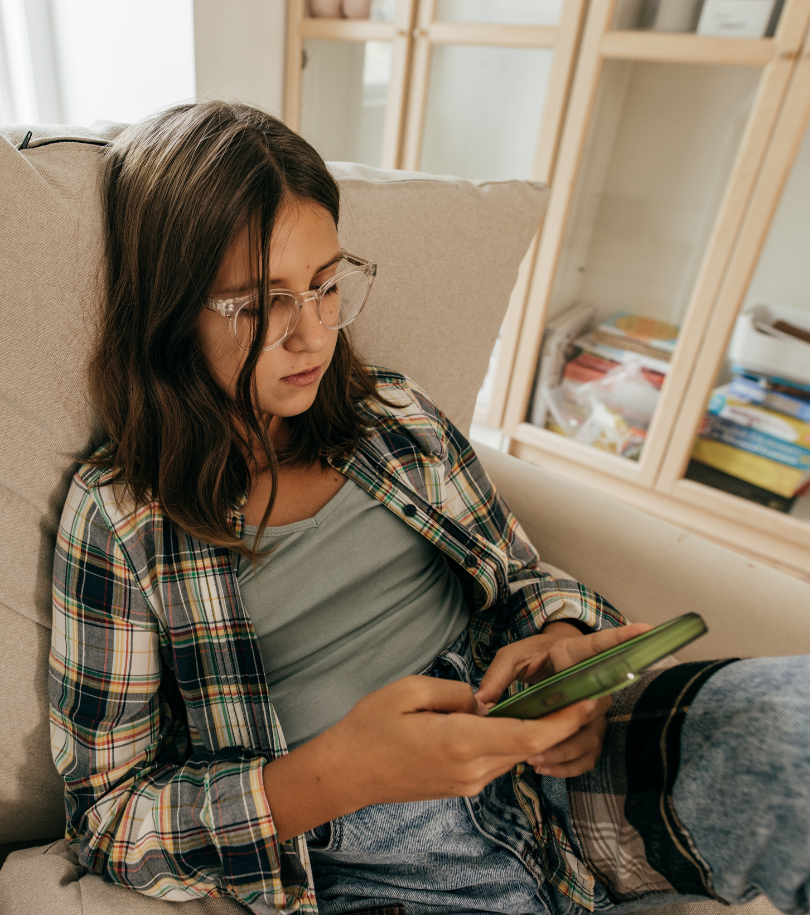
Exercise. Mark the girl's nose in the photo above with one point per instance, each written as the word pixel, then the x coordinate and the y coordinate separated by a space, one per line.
pixel 308 333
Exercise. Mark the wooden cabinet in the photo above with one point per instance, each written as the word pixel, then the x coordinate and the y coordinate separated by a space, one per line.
pixel 668 155
pixel 675 153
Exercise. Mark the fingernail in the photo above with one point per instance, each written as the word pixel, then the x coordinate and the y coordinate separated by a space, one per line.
pixel 482 709
pixel 537 760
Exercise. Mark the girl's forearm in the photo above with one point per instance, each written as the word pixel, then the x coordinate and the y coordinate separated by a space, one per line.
pixel 308 787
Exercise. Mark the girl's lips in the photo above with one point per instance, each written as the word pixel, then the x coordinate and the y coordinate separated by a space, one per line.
pixel 304 378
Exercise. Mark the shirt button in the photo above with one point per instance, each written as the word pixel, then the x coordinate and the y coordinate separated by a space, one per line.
pixel 410 510
pixel 470 560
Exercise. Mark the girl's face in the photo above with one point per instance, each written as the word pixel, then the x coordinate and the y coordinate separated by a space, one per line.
pixel 303 251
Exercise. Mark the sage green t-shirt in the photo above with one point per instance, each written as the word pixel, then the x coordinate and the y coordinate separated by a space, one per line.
pixel 347 602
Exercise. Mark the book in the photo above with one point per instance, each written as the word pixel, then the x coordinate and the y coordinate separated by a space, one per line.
pixel 763 393
pixel 771 475
pixel 586 367
pixel 617 354
pixel 717 479
pixel 775 382
pixel 555 350
pixel 647 331
pixel 633 346
pixel 777 425
pixel 754 441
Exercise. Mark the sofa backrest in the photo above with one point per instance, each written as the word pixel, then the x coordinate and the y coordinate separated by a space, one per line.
pixel 448 253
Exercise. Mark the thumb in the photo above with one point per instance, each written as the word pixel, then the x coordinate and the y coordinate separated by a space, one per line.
pixel 500 674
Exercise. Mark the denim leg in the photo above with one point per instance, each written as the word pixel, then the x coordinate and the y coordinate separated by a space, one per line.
pixel 743 784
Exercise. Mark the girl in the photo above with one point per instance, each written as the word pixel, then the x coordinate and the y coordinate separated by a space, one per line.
pixel 273 543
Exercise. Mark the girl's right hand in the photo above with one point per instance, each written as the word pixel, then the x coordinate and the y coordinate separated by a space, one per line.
pixel 418 738
pixel 422 738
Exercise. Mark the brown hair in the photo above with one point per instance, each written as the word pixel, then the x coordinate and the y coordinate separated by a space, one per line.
pixel 179 186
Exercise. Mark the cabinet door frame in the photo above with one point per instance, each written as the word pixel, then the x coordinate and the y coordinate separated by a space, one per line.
pixel 301 26
pixel 776 57
pixel 761 523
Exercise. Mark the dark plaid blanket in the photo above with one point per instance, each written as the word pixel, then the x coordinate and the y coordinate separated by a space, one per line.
pixel 627 828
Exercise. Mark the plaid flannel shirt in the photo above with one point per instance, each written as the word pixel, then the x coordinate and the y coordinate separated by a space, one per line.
pixel 161 720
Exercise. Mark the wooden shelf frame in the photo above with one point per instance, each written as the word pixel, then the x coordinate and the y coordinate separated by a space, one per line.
pixel 599 44
pixel 301 27
pixel 788 135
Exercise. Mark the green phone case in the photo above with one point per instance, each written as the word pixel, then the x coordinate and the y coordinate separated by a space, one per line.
pixel 604 673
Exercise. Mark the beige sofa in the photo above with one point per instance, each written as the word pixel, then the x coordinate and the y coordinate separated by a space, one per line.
pixel 448 252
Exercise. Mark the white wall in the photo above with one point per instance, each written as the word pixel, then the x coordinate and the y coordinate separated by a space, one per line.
pixel 239 50
pixel 120 61
pixel 77 61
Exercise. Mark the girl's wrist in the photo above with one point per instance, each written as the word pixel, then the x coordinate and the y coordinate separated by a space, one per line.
pixel 308 787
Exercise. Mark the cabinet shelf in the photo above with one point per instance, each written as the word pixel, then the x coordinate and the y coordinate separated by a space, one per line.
pixel 554 443
pixel 687 48
pixel 504 36
pixel 438 33
pixel 347 29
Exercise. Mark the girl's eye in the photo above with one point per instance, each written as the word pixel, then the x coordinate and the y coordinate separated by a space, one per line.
pixel 332 290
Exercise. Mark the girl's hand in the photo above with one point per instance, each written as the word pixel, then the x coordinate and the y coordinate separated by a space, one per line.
pixel 421 738
pixel 530 660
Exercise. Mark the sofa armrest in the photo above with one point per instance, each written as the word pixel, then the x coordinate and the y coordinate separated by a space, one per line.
pixel 652 570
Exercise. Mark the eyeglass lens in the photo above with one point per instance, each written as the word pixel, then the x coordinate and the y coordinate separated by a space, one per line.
pixel 340 304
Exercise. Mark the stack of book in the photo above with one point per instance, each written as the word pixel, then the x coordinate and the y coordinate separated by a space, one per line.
pixel 620 365
pixel 755 440
pixel 625 337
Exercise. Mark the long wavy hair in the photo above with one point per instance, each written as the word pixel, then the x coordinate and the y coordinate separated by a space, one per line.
pixel 179 187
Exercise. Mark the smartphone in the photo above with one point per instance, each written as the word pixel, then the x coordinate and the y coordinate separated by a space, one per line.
pixel 604 673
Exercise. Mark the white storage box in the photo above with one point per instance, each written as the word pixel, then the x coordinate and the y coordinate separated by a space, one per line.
pixel 770 354
pixel 735 18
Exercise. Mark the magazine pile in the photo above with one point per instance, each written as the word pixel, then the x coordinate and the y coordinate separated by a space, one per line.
pixel 600 385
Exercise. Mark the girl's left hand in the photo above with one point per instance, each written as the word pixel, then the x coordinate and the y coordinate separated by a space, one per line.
pixel 532 659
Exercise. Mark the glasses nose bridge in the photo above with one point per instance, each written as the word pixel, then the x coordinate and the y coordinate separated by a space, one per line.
pixel 301 298
pixel 314 296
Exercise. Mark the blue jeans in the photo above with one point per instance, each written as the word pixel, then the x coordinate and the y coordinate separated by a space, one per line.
pixel 741 797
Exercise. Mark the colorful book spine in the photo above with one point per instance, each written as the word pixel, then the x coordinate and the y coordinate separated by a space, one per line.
pixel 771 475
pixel 747 389
pixel 617 354
pixel 769 422
pixel 756 442
pixel 797 386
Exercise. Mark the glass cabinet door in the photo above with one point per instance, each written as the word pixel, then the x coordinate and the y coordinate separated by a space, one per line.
pixel 488 92
pixel 347 62
pixel 742 445
pixel 657 163
pixel 344 96
pixel 484 110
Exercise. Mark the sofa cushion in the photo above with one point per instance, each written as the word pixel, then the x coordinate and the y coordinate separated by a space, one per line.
pixel 49 880
pixel 448 252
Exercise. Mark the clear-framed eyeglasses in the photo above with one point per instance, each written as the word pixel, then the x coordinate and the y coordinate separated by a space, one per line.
pixel 338 302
